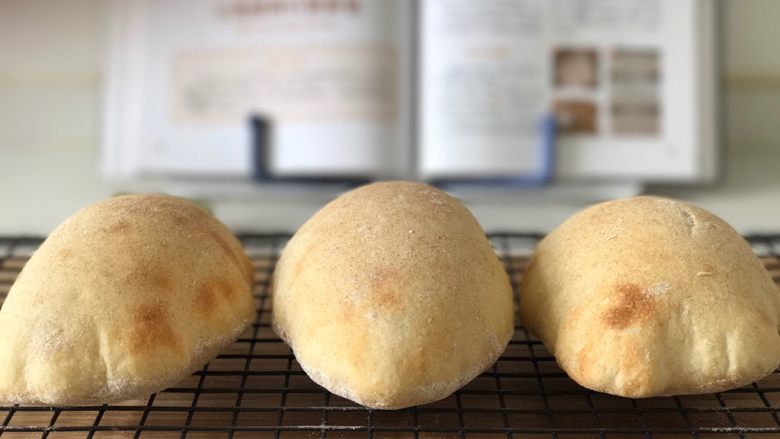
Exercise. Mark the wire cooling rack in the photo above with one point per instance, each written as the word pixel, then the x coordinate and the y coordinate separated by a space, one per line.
pixel 255 388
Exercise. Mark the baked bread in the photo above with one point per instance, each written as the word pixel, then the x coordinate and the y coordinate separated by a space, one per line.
pixel 649 296
pixel 126 297
pixel 392 296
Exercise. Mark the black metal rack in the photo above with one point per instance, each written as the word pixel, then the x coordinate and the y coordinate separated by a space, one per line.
pixel 257 389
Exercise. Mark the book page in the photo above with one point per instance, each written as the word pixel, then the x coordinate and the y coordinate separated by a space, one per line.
pixel 638 117
pixel 622 77
pixel 329 76
pixel 480 99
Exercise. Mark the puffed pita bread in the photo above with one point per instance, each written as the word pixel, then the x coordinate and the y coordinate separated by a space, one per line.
pixel 392 296
pixel 126 297
pixel 649 296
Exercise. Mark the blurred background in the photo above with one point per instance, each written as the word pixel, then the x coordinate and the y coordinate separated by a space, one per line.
pixel 266 109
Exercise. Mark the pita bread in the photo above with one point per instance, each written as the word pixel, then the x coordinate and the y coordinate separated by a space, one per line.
pixel 649 296
pixel 126 297
pixel 392 296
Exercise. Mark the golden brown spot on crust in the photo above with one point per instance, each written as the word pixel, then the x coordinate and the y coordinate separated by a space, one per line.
pixel 388 298
pixel 633 305
pixel 211 293
pixel 161 279
pixel 152 331
pixel 118 228
pixel 764 318
pixel 65 254
pixel 383 287
pixel 228 289
pixel 180 220
pixel 205 301
pixel 584 360
pixel 634 365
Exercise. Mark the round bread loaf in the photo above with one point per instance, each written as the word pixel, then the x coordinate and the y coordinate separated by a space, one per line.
pixel 126 297
pixel 649 296
pixel 392 296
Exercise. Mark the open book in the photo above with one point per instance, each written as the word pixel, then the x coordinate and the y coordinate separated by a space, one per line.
pixel 425 89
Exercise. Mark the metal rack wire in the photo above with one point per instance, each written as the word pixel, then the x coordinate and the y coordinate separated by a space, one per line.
pixel 257 389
